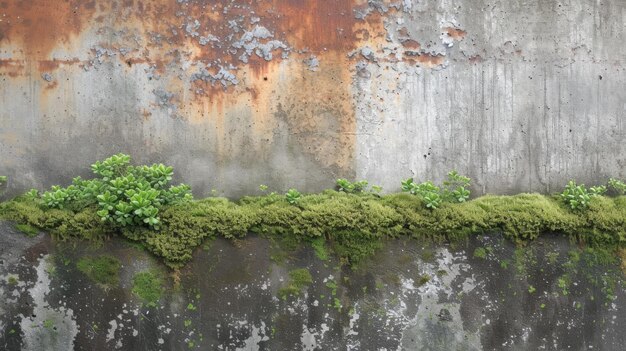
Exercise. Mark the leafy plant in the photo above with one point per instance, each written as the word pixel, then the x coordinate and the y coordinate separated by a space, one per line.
pixel 349 187
pixel 125 195
pixel 617 186
pixel 455 187
pixel 3 180
pixel 597 190
pixel 293 196
pixel 454 190
pixel 427 191
pixel 32 194
pixel 576 196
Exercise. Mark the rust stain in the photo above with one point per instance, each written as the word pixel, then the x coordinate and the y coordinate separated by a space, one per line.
pixel 429 60
pixel 12 68
pixel 38 26
pixel 313 24
pixel 411 44
pixel 320 114
pixel 455 33
pixel 52 65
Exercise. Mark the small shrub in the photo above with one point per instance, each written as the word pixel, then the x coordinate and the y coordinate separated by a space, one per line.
pixel 126 196
pixel 617 186
pixel 427 191
pixel 3 180
pixel 346 186
pixel 293 196
pixel 102 269
pixel 597 190
pixel 455 189
pixel 576 196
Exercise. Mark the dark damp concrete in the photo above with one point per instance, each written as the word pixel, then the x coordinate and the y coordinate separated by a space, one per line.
pixel 411 295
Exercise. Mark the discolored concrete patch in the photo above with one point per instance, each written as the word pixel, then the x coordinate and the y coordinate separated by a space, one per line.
pixel 483 294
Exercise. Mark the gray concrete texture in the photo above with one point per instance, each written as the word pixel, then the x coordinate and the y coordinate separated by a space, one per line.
pixel 519 95
pixel 410 295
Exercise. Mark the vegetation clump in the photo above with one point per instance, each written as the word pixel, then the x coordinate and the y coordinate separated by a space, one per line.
pixel 454 189
pixel 125 195
pixel 102 269
pixel 27 229
pixel 135 202
pixel 148 286
pixel 298 280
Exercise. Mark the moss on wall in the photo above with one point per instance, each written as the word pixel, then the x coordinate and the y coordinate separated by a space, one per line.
pixel 353 225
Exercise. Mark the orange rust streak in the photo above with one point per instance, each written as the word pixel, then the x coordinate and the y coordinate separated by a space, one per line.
pixel 38 26
pixel 51 65
pixel 429 60
pixel 316 25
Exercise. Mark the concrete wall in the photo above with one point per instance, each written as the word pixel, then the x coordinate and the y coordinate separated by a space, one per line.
pixel 520 95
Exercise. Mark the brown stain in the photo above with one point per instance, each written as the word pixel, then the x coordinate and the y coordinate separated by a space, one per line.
pixel 320 114
pixel 317 25
pixel 12 68
pixel 455 33
pixel 52 85
pixel 475 59
pixel 316 107
pixel 411 44
pixel 38 26
pixel 430 60
pixel 52 65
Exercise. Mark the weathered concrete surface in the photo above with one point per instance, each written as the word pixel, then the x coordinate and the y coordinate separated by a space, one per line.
pixel 410 296
pixel 520 95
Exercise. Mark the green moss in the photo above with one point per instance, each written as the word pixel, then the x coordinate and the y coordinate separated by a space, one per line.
pixel 298 279
pixel 13 280
pixel 480 253
pixel 148 286
pixel 354 226
pixel 27 229
pixel 101 269
pixel 319 246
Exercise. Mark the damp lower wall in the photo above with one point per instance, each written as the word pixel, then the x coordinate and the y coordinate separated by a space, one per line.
pixel 519 95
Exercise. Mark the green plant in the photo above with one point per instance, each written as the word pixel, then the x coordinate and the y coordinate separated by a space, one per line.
pixel 27 229
pixel 455 188
pixel 3 180
pixel 597 190
pixel 427 191
pixel 298 279
pixel 148 286
pixel 102 269
pixel 346 186
pixel 126 196
pixel 293 196
pixel 32 194
pixel 480 252
pixel 617 186
pixel 576 196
